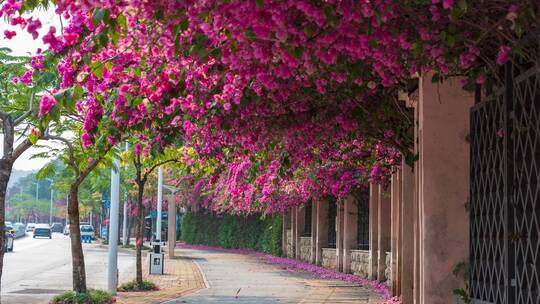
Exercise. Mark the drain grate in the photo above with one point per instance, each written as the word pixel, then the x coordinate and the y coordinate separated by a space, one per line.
pixel 38 291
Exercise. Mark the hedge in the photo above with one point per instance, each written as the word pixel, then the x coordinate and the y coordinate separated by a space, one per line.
pixel 231 231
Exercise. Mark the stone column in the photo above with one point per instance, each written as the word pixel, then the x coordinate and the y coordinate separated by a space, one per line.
pixel 300 221
pixel 314 223
pixel 444 186
pixel 340 219
pixel 373 230
pixel 350 231
pixel 286 226
pixel 407 245
pixel 395 231
pixel 322 229
pixel 293 232
pixel 384 232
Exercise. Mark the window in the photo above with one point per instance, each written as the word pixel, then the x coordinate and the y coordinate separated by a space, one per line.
pixel 332 214
pixel 362 201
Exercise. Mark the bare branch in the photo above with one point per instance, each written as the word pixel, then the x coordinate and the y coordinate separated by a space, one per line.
pixel 25 145
pixel 157 165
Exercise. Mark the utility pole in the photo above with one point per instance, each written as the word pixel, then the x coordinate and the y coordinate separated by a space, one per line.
pixel 124 219
pixel 51 206
pixel 112 270
pixel 159 203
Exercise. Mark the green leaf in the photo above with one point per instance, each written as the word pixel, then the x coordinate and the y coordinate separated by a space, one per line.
pixel 259 3
pixel 33 138
pixel 184 24
pixel 99 15
pixel 462 4
pixel 122 22
pixel 97 69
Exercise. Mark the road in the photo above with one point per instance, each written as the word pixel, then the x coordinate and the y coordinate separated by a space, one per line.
pixel 40 268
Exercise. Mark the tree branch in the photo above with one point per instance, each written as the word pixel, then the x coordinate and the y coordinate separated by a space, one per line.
pixel 28 112
pixel 71 149
pixel 9 134
pixel 157 165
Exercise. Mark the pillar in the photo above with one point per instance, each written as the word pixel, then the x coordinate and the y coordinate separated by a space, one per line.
pixel 407 245
pixel 286 226
pixel 350 231
pixel 395 231
pixel 171 223
pixel 314 223
pixel 443 127
pixel 300 221
pixel 340 219
pixel 322 229
pixel 293 232
pixel 373 230
pixel 384 218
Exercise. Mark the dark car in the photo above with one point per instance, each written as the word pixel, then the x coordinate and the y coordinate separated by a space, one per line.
pixel 43 230
pixel 57 227
pixel 8 239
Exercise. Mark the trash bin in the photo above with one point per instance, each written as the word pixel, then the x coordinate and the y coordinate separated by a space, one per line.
pixel 156 263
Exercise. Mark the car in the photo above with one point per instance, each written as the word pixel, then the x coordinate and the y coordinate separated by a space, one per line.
pixel 57 227
pixel 20 230
pixel 87 231
pixel 9 239
pixel 66 229
pixel 43 230
pixel 30 227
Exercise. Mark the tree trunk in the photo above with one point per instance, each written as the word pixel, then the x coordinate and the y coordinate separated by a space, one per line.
pixel 79 273
pixel 5 172
pixel 129 227
pixel 139 232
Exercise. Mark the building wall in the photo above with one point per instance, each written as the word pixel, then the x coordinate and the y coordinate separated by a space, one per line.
pixel 360 263
pixel 329 258
pixel 305 248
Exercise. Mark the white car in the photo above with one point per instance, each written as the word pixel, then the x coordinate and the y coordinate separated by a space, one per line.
pixel 87 231
pixel 66 229
pixel 30 227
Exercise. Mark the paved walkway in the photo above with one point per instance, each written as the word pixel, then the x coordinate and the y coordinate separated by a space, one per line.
pixel 181 276
pixel 236 278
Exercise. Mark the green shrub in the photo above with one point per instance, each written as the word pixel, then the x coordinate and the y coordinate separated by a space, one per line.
pixel 132 286
pixel 91 297
pixel 262 233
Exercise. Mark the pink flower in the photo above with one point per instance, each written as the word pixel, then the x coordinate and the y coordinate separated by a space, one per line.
pixel 86 140
pixel 502 57
pixel 137 149
pixel 47 103
pixel 9 34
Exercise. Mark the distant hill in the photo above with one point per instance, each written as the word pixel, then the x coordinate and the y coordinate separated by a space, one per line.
pixel 18 174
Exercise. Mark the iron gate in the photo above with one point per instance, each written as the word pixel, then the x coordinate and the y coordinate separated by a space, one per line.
pixel 505 192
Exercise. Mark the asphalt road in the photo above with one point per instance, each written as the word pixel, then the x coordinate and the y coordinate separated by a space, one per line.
pixel 39 268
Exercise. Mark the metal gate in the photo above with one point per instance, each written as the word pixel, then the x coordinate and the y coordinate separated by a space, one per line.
pixel 505 192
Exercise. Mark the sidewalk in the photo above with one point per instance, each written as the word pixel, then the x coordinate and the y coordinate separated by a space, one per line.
pixel 182 276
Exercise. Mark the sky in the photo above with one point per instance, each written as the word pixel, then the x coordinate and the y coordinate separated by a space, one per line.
pixel 24 44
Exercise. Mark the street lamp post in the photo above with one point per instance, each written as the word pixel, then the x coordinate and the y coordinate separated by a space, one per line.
pixel 159 203
pixel 171 236
pixel 112 270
